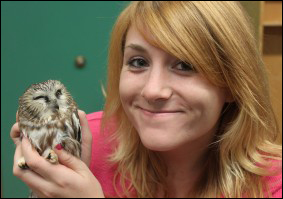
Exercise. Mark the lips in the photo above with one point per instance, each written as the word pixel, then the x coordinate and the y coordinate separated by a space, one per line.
pixel 155 113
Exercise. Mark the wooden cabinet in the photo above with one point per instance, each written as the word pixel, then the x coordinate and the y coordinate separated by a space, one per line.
pixel 270 37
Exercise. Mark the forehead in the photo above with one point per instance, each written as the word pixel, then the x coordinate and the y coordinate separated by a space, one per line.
pixel 136 41
pixel 134 35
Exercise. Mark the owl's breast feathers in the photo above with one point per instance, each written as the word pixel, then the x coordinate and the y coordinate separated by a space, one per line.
pixel 50 132
pixel 48 116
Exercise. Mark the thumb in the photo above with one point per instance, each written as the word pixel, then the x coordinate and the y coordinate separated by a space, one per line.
pixel 69 160
pixel 86 133
pixel 86 138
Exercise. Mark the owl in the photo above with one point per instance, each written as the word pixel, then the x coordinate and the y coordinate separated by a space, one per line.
pixel 48 116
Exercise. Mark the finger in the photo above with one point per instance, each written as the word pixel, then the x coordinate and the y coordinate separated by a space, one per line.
pixel 15 133
pixel 86 138
pixel 17 156
pixel 35 162
pixel 17 117
pixel 37 183
pixel 50 172
pixel 32 179
pixel 82 114
pixel 70 161
pixel 84 122
pixel 27 175
pixel 86 133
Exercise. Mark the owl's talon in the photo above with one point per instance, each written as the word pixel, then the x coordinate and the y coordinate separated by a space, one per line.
pixel 22 163
pixel 52 157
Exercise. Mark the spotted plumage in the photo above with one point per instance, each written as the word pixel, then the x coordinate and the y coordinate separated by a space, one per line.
pixel 48 116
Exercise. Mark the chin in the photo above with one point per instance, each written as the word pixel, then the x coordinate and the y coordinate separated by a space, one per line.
pixel 160 148
pixel 156 143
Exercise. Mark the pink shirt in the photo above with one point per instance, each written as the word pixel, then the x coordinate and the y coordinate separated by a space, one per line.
pixel 99 166
pixel 104 172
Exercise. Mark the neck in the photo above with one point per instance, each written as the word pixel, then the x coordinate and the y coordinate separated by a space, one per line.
pixel 185 166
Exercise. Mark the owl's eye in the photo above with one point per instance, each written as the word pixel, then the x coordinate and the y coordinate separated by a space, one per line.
pixel 39 97
pixel 58 93
pixel 43 97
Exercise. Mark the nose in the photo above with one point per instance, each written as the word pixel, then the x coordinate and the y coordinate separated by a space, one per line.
pixel 156 87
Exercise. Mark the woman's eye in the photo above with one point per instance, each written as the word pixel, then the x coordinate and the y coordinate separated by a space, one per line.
pixel 182 66
pixel 137 63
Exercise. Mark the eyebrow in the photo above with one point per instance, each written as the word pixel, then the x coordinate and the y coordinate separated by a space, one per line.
pixel 137 48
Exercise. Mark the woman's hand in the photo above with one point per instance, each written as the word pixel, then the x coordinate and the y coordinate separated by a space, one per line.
pixel 86 138
pixel 70 178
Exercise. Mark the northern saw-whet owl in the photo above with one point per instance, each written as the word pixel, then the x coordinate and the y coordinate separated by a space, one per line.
pixel 48 116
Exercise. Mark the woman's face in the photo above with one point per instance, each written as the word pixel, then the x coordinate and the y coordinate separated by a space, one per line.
pixel 169 103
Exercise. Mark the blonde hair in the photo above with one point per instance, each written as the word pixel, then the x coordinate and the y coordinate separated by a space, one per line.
pixel 216 38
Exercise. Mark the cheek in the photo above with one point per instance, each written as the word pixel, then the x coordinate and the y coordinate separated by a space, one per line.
pixel 123 91
pixel 210 103
pixel 123 87
pixel 203 101
pixel 129 87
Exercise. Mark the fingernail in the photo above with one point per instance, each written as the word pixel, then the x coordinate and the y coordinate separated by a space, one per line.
pixel 59 147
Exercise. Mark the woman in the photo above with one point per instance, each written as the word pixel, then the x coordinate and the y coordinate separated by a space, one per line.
pixel 187 110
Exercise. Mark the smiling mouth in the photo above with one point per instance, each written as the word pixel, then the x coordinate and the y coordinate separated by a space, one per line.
pixel 159 113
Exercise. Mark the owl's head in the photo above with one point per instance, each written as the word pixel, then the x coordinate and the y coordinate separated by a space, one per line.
pixel 45 99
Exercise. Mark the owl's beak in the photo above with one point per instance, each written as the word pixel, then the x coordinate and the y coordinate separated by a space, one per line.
pixel 55 106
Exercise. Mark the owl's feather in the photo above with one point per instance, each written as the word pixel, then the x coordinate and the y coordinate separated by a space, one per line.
pixel 48 116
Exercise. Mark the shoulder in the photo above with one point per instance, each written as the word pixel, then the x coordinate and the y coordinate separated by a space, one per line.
pixel 94 117
pixel 101 168
pixel 94 121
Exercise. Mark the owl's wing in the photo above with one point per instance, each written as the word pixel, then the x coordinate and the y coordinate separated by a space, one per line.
pixel 77 126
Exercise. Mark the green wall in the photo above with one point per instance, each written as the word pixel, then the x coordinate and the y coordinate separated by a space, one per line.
pixel 39 41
